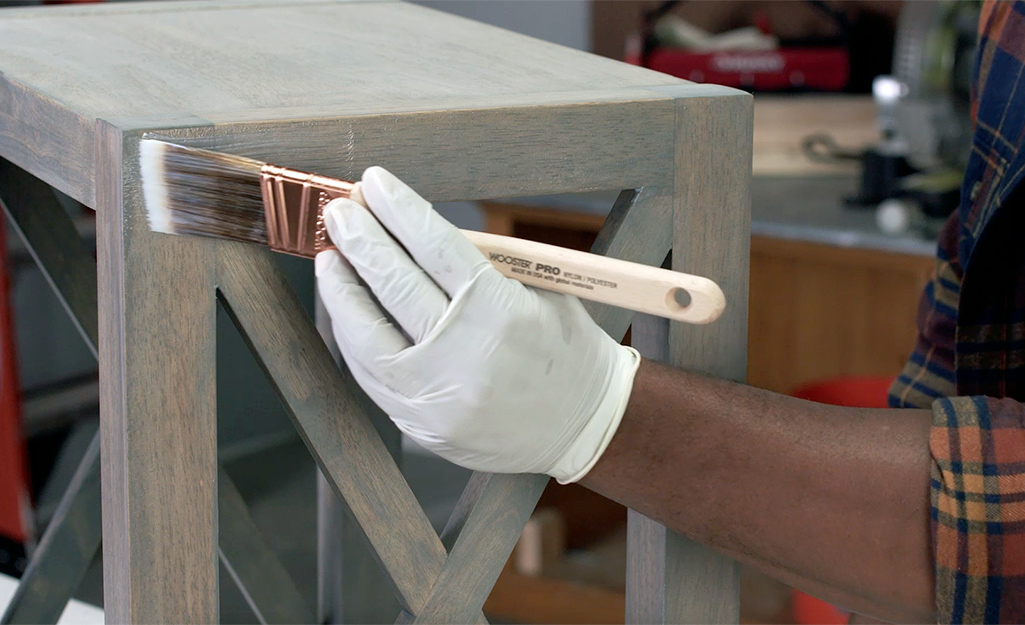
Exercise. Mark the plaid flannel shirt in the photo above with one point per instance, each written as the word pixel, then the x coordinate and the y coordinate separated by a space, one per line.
pixel 969 360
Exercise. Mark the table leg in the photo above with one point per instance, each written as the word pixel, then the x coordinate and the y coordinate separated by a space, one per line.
pixel 157 312
pixel 672 579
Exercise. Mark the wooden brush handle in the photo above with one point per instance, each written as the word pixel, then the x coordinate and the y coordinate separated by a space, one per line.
pixel 642 288
pixel 637 287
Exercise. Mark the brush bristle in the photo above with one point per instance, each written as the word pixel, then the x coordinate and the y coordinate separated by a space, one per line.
pixel 195 191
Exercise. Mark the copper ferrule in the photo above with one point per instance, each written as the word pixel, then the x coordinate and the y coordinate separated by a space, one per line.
pixel 293 203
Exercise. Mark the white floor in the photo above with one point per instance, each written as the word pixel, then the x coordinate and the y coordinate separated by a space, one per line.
pixel 76 613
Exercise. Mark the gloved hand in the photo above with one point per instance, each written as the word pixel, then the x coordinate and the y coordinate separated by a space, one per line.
pixel 487 373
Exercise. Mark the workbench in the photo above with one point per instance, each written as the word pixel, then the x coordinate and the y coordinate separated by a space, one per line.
pixel 459 110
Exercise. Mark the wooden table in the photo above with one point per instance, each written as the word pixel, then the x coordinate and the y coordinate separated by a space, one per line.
pixel 461 111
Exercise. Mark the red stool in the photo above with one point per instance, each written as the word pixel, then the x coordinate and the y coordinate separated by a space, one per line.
pixel 856 392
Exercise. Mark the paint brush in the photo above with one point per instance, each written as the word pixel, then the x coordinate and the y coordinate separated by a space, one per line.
pixel 192 191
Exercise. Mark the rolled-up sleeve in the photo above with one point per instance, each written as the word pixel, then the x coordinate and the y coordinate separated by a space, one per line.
pixel 929 372
pixel 978 509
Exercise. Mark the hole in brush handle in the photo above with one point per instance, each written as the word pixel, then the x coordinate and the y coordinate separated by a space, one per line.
pixel 679 298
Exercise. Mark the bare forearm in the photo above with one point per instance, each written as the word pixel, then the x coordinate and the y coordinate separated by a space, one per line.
pixel 832 500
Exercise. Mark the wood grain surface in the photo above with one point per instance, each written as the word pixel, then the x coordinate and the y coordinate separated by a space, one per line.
pixel 538 146
pixel 670 578
pixel 63 68
pixel 330 416
pixel 158 405
pixel 711 235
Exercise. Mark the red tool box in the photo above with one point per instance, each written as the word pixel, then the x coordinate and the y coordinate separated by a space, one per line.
pixel 821 64
pixel 816 69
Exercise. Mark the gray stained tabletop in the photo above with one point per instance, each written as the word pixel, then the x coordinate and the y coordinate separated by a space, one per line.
pixel 63 68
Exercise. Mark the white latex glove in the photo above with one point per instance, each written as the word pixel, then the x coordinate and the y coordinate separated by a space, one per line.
pixel 487 373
